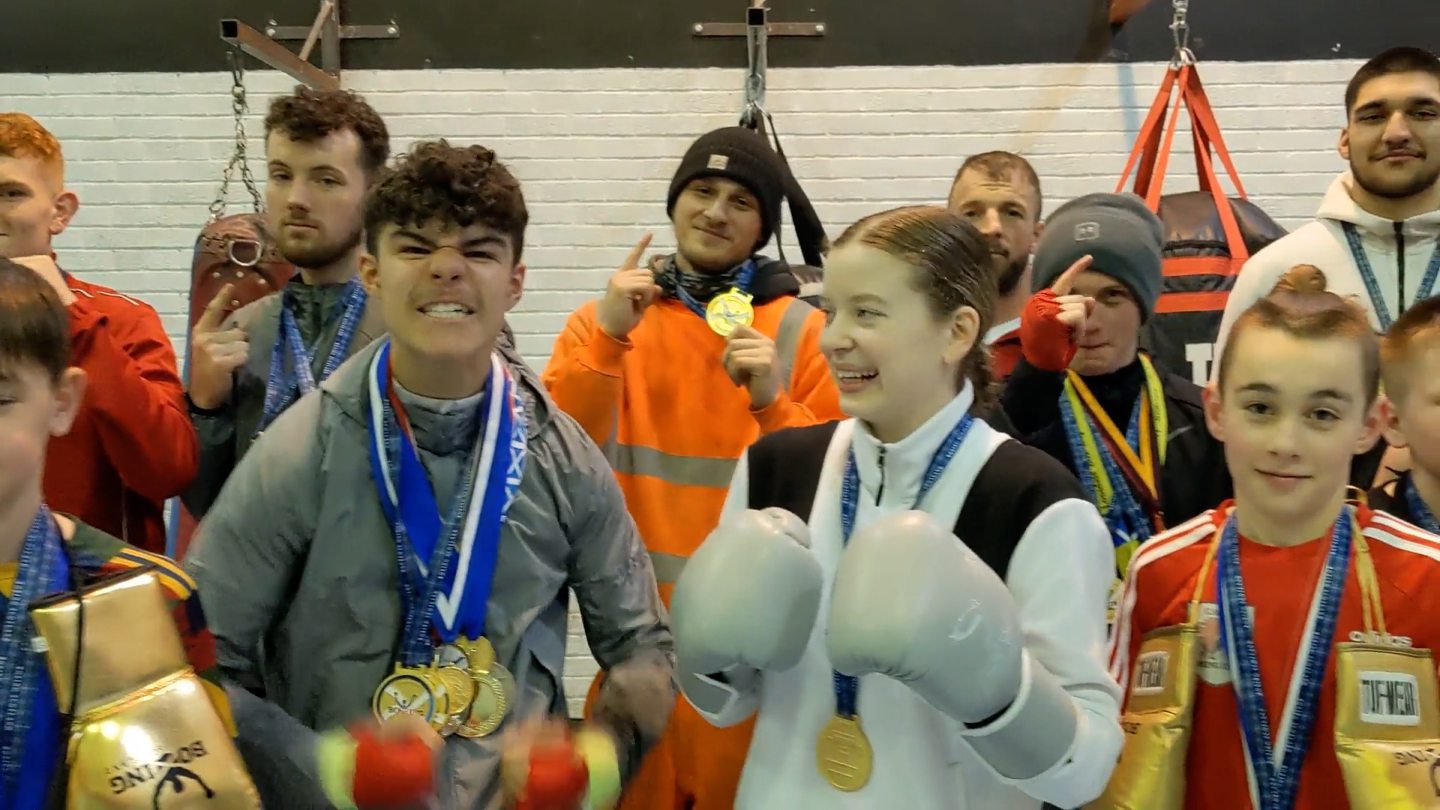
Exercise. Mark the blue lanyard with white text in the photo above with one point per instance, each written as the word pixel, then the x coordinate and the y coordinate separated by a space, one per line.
pixel 847 687
pixel 280 387
pixel 1276 774
pixel 450 602
pixel 1372 284
pixel 742 283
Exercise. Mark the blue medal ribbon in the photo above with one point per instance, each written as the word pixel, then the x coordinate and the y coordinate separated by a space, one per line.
pixel 1420 513
pixel 847 687
pixel 291 363
pixel 742 283
pixel 1131 514
pixel 1126 518
pixel 29 730
pixel 1372 284
pixel 1276 774
pixel 447 566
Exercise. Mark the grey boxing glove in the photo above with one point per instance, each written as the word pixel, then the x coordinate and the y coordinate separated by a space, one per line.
pixel 745 602
pixel 913 602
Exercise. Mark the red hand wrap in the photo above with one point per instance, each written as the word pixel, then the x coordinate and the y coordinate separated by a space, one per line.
pixel 391 773
pixel 1047 343
pixel 558 779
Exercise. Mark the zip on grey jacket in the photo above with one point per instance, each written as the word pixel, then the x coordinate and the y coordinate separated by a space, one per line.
pixel 297 565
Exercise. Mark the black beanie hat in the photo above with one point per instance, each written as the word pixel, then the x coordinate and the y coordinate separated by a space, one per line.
pixel 738 154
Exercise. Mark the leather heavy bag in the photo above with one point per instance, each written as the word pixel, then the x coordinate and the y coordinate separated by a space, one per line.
pixel 1200 270
pixel 230 250
pixel 235 250
pixel 1209 234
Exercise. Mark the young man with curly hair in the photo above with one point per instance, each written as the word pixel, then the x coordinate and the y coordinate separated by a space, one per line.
pixel 132 445
pixel 323 148
pixel 403 543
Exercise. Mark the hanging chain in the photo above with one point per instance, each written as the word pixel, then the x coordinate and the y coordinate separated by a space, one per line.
pixel 240 106
pixel 1180 29
pixel 756 38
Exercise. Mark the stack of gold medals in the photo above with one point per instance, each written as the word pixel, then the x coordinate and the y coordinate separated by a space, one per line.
pixel 462 691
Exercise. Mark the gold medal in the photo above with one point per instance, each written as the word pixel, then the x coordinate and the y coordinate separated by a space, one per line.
pixel 491 704
pixel 729 310
pixel 479 654
pixel 459 689
pixel 843 754
pixel 412 690
pixel 494 686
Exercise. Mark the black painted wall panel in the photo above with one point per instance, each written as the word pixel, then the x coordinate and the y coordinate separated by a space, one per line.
pixel 71 36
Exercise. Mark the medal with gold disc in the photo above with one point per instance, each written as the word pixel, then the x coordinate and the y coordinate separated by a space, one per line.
pixel 412 690
pixel 494 689
pixel 729 310
pixel 843 754
pixel 446 560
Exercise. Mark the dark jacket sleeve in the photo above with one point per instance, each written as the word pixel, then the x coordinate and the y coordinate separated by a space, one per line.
pixel 1031 399
pixel 216 431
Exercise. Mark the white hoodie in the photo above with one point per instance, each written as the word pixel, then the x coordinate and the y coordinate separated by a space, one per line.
pixel 1399 253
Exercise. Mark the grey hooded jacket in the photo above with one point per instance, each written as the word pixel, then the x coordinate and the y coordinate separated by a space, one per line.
pixel 297 568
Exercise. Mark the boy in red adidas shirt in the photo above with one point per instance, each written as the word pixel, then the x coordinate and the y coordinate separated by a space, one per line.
pixel 1277 570
pixel 132 445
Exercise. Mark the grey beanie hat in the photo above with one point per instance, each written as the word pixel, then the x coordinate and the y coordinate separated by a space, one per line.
pixel 1118 230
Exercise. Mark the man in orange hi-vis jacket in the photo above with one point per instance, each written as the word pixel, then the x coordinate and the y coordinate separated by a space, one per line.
pixel 684 362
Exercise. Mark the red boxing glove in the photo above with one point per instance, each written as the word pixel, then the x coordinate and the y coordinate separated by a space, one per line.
pixel 558 779
pixel 391 773
pixel 1047 344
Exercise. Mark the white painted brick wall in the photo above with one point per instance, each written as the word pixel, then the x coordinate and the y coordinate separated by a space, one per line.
pixel 595 150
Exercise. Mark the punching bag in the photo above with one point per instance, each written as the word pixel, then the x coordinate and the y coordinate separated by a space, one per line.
pixel 229 250
pixel 1193 293
pixel 1209 234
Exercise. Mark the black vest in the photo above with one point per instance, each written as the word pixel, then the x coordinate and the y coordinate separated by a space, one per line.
pixel 1014 486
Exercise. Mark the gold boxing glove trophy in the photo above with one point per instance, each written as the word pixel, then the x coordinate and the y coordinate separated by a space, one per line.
pixel 145 732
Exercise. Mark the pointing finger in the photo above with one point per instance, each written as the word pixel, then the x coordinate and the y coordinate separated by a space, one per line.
pixel 632 261
pixel 1066 281
pixel 216 310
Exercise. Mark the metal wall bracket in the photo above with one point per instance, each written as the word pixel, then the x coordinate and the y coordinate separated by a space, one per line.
pixel 283 33
pixel 326 31
pixel 757 23
pixel 275 55
pixel 794 29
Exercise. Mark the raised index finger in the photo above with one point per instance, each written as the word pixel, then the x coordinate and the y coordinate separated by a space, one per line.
pixel 216 310
pixel 632 261
pixel 1066 280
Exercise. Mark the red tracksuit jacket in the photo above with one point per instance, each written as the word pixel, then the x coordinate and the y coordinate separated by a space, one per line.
pixel 132 445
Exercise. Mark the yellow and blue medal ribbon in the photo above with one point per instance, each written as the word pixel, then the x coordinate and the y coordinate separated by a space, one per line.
pixel 1141 448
